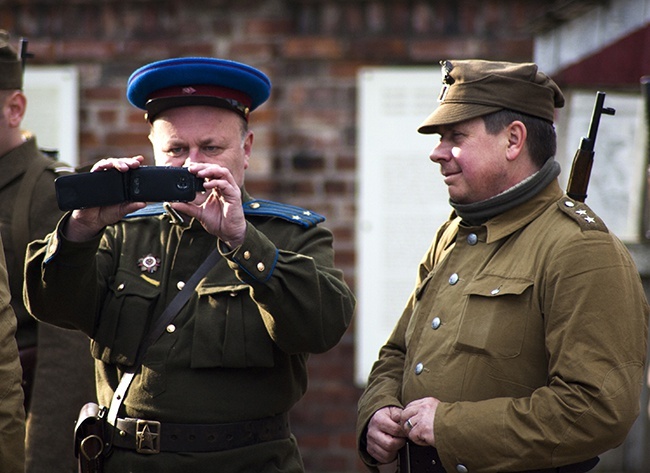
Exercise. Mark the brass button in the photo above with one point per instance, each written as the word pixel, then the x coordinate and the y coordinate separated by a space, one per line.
pixel 255 205
pixel 180 285
pixel 247 254
pixel 121 287
pixel 260 267
pixel 171 328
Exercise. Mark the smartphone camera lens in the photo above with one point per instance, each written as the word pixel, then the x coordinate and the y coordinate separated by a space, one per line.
pixel 182 183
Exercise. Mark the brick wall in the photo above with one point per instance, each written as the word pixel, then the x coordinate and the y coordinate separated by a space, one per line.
pixel 304 151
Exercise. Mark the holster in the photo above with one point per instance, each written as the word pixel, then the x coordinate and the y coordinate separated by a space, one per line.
pixel 90 438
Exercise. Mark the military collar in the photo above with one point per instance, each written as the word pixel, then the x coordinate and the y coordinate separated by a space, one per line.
pixel 516 218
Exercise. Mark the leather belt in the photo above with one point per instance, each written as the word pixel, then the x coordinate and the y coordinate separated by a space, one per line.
pixel 417 459
pixel 147 436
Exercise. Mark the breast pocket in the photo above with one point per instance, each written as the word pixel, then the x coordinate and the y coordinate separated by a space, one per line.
pixel 124 318
pixel 229 331
pixel 496 316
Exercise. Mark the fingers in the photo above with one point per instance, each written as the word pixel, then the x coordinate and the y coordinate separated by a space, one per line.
pixel 385 436
pixel 121 164
pixel 417 420
pixel 84 224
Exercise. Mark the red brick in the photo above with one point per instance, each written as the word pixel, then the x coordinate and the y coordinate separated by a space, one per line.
pixel 312 48
pixel 103 93
pixel 85 50
pixel 256 27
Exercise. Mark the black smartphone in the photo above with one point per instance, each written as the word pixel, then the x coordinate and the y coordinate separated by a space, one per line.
pixel 143 184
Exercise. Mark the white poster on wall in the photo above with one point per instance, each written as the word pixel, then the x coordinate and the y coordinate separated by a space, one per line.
pixel 53 109
pixel 401 198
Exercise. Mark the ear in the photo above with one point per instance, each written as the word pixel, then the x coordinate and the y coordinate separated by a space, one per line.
pixel 247 145
pixel 16 104
pixel 516 134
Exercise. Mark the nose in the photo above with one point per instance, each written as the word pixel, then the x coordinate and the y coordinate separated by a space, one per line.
pixel 440 152
pixel 194 155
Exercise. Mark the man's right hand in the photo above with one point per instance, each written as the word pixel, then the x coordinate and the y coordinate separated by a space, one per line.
pixel 385 434
pixel 84 224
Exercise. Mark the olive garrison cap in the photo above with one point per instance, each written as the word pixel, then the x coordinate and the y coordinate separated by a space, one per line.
pixel 187 81
pixel 11 69
pixel 473 88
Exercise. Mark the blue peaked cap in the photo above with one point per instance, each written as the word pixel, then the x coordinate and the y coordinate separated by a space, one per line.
pixel 197 81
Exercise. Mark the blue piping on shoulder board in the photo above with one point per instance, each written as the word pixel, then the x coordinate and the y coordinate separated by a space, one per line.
pixel 263 208
pixel 291 213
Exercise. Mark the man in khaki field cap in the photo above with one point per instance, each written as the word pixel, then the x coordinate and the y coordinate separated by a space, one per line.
pixel 522 346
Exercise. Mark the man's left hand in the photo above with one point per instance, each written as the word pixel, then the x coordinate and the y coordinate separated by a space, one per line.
pixel 219 209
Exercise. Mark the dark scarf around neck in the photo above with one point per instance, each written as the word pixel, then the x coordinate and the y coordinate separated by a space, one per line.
pixel 479 212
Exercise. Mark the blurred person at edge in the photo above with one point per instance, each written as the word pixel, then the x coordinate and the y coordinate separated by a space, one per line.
pixel 233 363
pixel 58 375
pixel 12 411
pixel 522 347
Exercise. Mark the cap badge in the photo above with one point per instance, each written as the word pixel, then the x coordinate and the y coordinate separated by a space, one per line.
pixel 188 90
pixel 447 80
pixel 149 263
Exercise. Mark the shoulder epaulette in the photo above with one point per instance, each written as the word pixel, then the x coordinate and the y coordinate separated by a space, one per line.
pixel 582 214
pixel 263 208
pixel 290 213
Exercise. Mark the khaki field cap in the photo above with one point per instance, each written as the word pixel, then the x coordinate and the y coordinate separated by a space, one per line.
pixel 11 70
pixel 473 88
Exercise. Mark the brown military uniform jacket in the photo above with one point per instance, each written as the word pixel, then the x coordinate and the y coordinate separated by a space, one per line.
pixel 64 377
pixel 12 414
pixel 531 330
pixel 238 348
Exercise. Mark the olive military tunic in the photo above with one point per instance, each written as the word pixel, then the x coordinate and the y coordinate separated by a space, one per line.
pixel 29 211
pixel 531 330
pixel 12 414
pixel 236 351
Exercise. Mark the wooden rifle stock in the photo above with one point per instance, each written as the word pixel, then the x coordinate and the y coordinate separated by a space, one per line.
pixel 584 157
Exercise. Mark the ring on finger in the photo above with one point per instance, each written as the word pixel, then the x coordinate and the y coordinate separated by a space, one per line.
pixel 408 424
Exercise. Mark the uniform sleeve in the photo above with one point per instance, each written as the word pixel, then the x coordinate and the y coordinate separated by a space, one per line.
pixel 61 283
pixel 595 321
pixel 384 383
pixel 305 304
pixel 384 386
pixel 12 414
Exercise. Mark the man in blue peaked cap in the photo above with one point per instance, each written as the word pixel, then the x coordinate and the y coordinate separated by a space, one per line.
pixel 214 390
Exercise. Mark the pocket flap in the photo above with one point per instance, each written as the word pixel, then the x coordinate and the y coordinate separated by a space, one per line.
pixel 494 286
pixel 129 283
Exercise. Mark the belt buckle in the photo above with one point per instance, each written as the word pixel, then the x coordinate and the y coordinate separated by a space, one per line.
pixel 147 436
